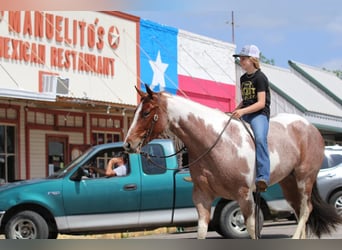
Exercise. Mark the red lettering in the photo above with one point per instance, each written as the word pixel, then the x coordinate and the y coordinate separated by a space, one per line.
pixel 1 47
pixel 38 24
pixel 66 31
pixel 5 51
pixel 49 26
pixel 82 27
pixel 74 34
pixel 34 54
pixel 53 56
pixel 91 36
pixel 14 21
pixel 99 67
pixel 15 45
pixel 27 29
pixel 100 34
pixel 67 59
pixel 25 51
pixel 58 29
pixel 80 62
pixel 60 57
pixel 74 54
pixel 111 60
pixel 41 53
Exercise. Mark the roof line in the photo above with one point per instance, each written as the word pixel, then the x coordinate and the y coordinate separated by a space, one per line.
pixel 287 97
pixel 314 81
pixel 328 127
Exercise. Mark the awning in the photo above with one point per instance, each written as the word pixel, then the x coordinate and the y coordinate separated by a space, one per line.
pixel 27 95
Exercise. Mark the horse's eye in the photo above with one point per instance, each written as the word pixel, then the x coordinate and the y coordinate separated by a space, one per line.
pixel 146 113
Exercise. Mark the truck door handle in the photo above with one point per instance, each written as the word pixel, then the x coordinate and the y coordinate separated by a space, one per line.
pixel 130 187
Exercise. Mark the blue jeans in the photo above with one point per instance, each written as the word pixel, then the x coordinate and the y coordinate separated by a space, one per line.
pixel 260 126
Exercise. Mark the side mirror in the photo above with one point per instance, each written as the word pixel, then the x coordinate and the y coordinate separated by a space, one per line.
pixel 77 176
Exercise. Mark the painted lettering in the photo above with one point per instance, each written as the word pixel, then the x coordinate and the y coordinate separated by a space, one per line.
pixel 14 21
pixel 27 29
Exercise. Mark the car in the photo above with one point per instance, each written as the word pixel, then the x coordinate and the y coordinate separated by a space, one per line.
pixel 329 179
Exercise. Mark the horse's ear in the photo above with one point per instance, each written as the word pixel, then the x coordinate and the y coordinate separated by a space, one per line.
pixel 149 91
pixel 142 94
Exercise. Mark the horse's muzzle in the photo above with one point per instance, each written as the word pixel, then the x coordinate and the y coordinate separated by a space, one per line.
pixel 127 147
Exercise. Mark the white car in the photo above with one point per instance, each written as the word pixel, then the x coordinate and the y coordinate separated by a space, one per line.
pixel 329 179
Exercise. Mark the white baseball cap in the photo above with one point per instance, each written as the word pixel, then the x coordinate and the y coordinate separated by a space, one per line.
pixel 249 50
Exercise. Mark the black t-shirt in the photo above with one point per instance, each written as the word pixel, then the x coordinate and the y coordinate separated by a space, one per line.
pixel 250 86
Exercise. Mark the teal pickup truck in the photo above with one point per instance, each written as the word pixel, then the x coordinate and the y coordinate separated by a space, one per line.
pixel 71 201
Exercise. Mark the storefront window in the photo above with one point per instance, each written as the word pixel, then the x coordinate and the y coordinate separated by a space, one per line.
pixel 7 153
pixel 101 138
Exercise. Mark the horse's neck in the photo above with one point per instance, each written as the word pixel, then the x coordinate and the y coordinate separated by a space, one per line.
pixel 193 122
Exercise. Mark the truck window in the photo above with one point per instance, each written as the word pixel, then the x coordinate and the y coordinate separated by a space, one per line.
pixel 156 164
pixel 100 161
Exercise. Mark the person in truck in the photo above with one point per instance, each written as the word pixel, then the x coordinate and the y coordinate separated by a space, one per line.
pixel 117 166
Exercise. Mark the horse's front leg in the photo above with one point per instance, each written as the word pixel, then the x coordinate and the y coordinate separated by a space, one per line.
pixel 247 209
pixel 203 206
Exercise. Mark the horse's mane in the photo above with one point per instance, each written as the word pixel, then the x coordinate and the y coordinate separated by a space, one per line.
pixel 178 143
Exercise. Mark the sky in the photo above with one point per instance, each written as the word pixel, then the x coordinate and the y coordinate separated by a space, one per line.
pixel 304 31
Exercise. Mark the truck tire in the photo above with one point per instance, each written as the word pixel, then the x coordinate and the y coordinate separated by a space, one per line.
pixel 232 224
pixel 27 225
pixel 336 201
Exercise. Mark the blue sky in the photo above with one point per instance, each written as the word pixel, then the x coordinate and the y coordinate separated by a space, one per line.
pixel 305 31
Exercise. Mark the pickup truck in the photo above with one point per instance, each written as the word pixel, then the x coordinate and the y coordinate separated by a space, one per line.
pixel 153 194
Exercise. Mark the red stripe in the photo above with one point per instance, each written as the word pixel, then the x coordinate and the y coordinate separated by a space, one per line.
pixel 212 94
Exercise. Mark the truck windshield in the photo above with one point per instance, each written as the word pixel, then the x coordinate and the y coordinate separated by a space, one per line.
pixel 63 171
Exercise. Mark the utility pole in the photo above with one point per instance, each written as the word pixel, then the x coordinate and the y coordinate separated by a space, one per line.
pixel 233 24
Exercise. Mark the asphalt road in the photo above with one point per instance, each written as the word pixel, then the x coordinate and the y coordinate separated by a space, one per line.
pixel 271 230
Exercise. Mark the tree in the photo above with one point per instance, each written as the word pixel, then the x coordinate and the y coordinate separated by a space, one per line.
pixel 265 60
pixel 337 72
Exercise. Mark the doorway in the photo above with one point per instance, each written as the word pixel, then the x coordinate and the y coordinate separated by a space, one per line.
pixel 57 148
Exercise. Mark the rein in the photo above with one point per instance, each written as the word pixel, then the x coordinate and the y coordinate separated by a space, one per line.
pixel 148 156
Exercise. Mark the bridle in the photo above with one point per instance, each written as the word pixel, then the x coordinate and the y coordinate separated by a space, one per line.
pixel 149 131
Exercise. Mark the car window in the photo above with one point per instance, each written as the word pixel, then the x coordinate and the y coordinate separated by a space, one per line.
pixel 332 160
pixel 100 161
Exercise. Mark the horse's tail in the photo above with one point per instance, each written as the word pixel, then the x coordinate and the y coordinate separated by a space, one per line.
pixel 324 218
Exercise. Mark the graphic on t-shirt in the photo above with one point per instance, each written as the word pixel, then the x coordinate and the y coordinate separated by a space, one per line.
pixel 248 91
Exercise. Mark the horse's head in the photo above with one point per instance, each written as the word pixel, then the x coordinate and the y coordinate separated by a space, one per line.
pixel 150 120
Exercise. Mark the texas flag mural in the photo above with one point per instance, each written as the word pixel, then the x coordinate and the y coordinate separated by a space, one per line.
pixel 183 63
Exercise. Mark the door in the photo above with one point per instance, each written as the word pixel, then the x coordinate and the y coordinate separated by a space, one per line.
pixel 103 202
pixel 57 150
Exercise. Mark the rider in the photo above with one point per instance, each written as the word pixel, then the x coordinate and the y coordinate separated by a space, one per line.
pixel 255 109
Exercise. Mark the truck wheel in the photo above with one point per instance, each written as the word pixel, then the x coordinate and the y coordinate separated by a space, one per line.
pixel 27 225
pixel 232 224
pixel 53 235
pixel 336 201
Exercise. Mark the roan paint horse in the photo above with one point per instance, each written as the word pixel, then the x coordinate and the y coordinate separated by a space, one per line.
pixel 227 170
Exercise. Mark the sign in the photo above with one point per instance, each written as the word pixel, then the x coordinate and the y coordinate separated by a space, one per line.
pixel 75 45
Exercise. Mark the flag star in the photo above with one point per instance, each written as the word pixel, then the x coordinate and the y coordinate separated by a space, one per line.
pixel 158 68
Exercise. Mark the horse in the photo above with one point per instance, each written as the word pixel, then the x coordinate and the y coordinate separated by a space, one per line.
pixel 223 153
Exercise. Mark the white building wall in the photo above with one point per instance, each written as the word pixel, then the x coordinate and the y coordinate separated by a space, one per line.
pixel 205 58
pixel 38 152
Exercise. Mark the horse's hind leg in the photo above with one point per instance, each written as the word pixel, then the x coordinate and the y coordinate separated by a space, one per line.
pixel 297 196
pixel 202 202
